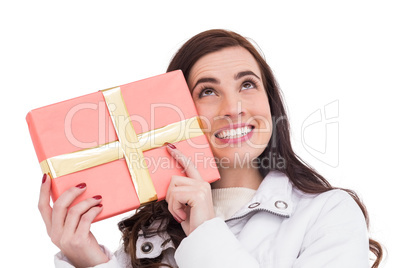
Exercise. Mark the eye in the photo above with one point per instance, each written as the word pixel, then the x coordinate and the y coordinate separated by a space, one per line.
pixel 248 85
pixel 206 92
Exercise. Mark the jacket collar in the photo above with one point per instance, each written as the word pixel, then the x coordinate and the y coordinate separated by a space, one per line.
pixel 274 195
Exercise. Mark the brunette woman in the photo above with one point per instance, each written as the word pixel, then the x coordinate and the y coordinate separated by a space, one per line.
pixel 269 209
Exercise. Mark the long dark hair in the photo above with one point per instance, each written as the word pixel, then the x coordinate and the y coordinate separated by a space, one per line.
pixel 279 149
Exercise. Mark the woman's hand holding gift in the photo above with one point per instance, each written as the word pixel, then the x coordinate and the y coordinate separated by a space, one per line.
pixel 69 227
pixel 189 198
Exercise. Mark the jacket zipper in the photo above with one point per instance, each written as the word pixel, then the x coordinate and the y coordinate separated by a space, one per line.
pixel 257 209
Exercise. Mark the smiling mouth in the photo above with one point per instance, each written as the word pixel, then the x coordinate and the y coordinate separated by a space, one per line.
pixel 234 133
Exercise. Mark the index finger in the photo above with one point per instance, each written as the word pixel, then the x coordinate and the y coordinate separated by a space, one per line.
pixel 184 161
pixel 44 202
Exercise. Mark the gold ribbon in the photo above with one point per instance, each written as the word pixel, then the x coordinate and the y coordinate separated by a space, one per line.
pixel 130 146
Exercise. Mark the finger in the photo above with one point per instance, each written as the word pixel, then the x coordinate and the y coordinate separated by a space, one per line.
pixel 201 188
pixel 188 195
pixel 178 212
pixel 178 181
pixel 76 212
pixel 61 205
pixel 177 203
pixel 87 219
pixel 44 202
pixel 184 161
pixel 180 199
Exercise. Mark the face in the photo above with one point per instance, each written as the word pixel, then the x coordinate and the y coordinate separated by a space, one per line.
pixel 229 95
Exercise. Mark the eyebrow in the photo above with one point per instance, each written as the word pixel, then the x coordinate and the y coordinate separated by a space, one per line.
pixel 206 80
pixel 216 81
pixel 245 73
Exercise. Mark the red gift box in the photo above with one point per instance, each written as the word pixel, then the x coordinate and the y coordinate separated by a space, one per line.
pixel 114 141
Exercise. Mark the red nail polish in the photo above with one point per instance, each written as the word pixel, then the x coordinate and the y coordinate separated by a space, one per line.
pixel 99 205
pixel 81 185
pixel 171 146
pixel 97 197
pixel 44 178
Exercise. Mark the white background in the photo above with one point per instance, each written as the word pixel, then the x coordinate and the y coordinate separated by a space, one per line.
pixel 345 55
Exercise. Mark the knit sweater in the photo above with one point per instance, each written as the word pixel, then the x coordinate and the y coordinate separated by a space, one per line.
pixel 227 201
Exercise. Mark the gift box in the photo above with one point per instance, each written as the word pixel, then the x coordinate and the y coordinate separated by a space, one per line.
pixel 114 140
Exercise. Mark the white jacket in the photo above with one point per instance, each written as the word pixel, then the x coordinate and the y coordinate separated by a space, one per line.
pixel 280 227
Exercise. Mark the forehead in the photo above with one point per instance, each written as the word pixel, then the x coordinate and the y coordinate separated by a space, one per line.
pixel 228 61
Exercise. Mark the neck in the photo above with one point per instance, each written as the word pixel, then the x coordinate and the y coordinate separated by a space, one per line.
pixel 238 177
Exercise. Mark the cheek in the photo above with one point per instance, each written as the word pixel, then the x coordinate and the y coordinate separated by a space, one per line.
pixel 266 124
pixel 262 114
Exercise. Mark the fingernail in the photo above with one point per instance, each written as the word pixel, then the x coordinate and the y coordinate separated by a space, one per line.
pixel 81 185
pixel 99 205
pixel 171 146
pixel 44 178
pixel 97 197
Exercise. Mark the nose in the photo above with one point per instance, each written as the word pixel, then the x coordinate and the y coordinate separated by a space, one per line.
pixel 231 107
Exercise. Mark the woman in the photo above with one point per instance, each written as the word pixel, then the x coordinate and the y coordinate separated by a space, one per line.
pixel 268 210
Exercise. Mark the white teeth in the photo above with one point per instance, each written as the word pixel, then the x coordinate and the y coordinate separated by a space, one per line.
pixel 234 133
